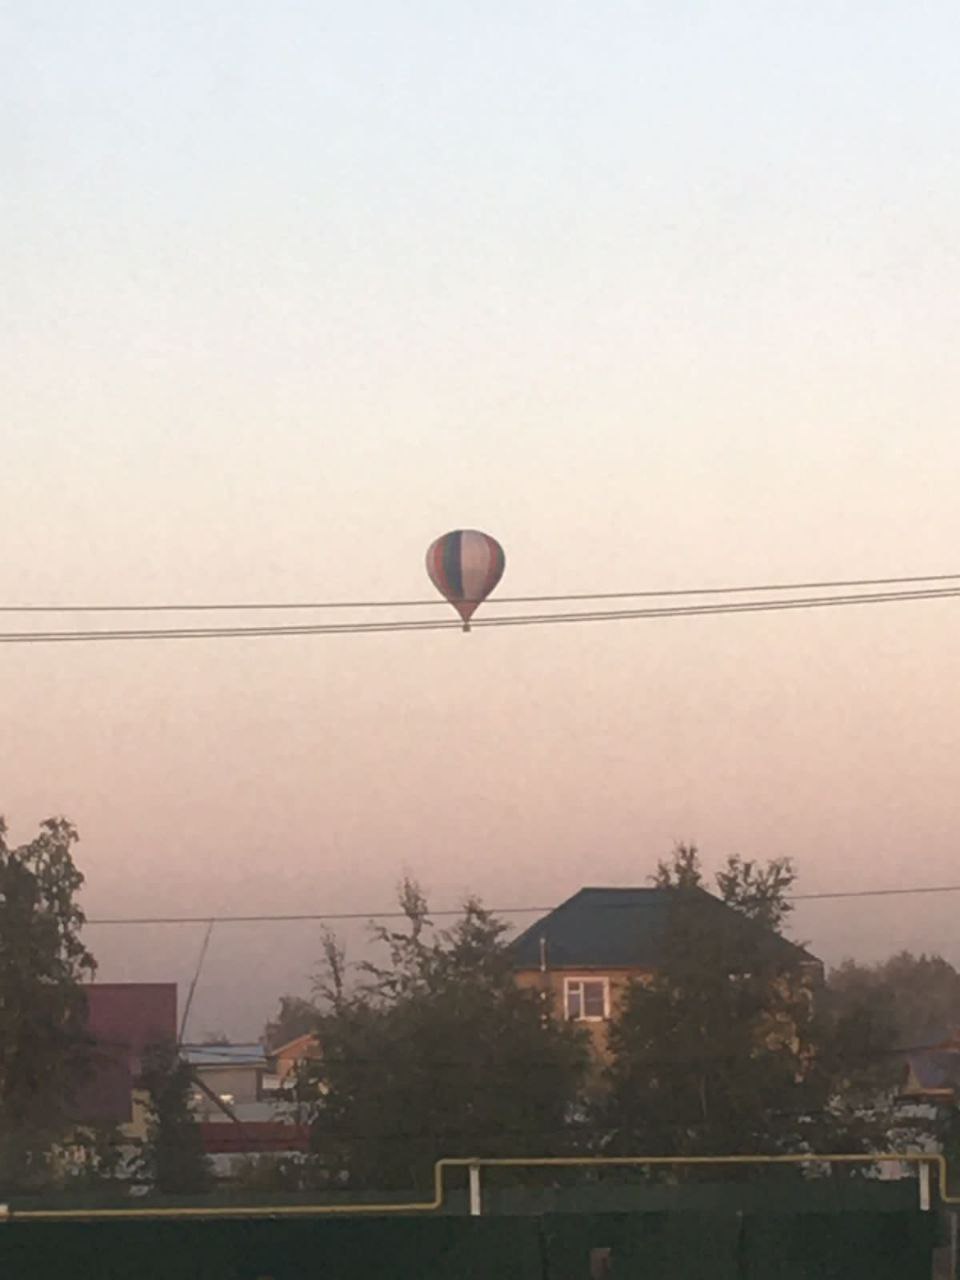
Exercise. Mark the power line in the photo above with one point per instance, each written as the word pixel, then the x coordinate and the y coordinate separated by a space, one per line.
pixel 746 606
pixel 357 628
pixel 276 606
pixel 299 917
pixel 303 917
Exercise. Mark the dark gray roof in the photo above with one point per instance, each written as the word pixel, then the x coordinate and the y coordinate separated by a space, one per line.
pixel 617 928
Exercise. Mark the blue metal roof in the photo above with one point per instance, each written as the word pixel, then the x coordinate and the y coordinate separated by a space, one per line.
pixel 225 1055
pixel 608 928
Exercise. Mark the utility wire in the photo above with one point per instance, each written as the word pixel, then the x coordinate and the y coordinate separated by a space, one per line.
pixel 356 628
pixel 273 606
pixel 277 918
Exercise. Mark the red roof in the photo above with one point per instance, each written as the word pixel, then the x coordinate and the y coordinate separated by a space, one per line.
pixel 251 1137
pixel 123 1019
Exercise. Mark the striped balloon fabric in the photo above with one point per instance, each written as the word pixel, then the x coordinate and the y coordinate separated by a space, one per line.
pixel 465 566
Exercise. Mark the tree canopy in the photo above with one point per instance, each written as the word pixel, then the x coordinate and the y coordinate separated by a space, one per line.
pixel 172 1159
pixel 919 994
pixel 43 964
pixel 437 1052
pixel 733 1046
pixel 712 1049
pixel 295 1017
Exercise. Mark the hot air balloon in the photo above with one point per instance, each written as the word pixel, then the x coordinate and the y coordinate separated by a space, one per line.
pixel 465 566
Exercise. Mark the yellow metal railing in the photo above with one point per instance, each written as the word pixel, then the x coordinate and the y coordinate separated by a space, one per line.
pixel 921 1160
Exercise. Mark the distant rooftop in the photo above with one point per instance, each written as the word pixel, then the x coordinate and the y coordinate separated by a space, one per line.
pixel 936 1068
pixel 225 1055
pixel 610 928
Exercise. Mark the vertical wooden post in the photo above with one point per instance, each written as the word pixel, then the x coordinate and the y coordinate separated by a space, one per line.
pixel 476 1203
pixel 924 1187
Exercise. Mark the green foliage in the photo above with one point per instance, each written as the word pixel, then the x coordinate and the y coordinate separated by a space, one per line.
pixel 904 1002
pixel 863 1028
pixel 682 870
pixel 272 1173
pixel 710 1056
pixel 295 1017
pixel 920 994
pixel 733 1046
pixel 43 964
pixel 758 891
pixel 99 1156
pixel 172 1159
pixel 438 1052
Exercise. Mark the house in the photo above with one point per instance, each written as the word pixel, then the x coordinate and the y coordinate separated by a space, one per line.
pixel 123 1020
pixel 239 1114
pixel 932 1073
pixel 231 1074
pixel 287 1059
pixel 230 1101
pixel 583 956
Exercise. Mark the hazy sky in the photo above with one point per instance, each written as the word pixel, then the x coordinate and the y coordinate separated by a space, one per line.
pixel 660 294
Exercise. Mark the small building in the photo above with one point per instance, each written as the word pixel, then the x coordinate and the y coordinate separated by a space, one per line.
pixel 583 956
pixel 932 1074
pixel 242 1115
pixel 124 1019
pixel 286 1060
pixel 232 1073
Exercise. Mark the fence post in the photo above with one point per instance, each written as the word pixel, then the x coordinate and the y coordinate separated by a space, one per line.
pixel 924 1187
pixel 476 1204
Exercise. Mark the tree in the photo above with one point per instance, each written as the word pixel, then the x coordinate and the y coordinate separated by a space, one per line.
pixel 172 1159
pixel 921 994
pixel 734 1046
pixel 710 1056
pixel 438 1052
pixel 757 892
pixel 295 1017
pixel 43 964
pixel 879 1011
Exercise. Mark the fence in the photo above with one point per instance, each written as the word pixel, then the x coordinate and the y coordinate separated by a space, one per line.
pixel 495 1228
pixel 855 1245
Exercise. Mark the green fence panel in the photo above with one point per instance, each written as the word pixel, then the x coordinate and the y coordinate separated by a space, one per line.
pixel 622 1246
pixel 851 1246
pixel 814 1195
pixel 678 1246
pixel 341 1249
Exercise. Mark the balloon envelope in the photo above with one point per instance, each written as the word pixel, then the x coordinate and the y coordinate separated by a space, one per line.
pixel 465 566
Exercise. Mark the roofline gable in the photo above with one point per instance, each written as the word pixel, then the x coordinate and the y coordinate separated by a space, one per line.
pixel 628 898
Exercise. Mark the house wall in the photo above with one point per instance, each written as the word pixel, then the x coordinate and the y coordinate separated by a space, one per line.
pixel 289 1057
pixel 136 1129
pixel 552 984
pixel 123 1020
pixel 243 1083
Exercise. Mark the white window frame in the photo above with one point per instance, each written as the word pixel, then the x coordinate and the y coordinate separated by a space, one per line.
pixel 570 983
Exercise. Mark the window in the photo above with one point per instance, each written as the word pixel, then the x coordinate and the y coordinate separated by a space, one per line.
pixel 586 999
